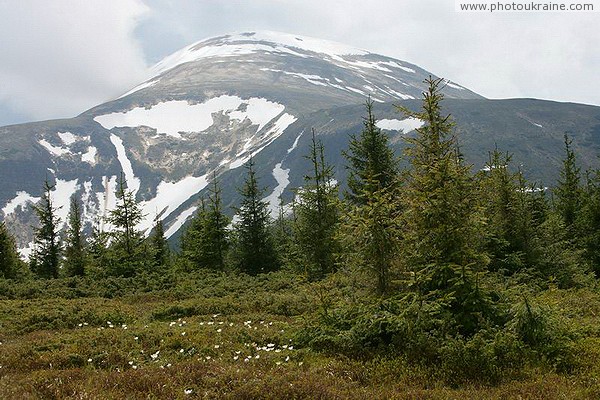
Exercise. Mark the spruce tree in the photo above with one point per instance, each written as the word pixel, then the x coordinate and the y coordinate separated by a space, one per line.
pixel 45 260
pixel 126 246
pixel 372 163
pixel 568 190
pixel 317 215
pixel 508 204
pixel 590 221
pixel 9 259
pixel 283 236
pixel 98 249
pixel 254 248
pixel 205 242
pixel 159 245
pixel 442 221
pixel 192 239
pixel 216 229
pixel 371 236
pixel 75 252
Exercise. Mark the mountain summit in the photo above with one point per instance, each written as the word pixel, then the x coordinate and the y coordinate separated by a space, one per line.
pixel 211 106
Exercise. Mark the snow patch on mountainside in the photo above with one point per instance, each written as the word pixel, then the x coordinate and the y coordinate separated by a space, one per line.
pixel 405 125
pixel 61 197
pixel 394 64
pixel 453 85
pixel 107 200
pixel 169 197
pixel 144 85
pixel 314 79
pixel 282 176
pixel 320 81
pixel 21 200
pixel 181 219
pixel 90 156
pixel 258 110
pixel 276 130
pixel 133 183
pixel 295 144
pixel 173 117
pixel 252 42
pixel 67 138
pixel 54 150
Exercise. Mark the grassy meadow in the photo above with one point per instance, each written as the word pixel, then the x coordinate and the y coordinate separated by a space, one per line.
pixel 206 335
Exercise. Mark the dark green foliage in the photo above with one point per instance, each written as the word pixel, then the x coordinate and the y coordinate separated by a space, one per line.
pixel 205 242
pixel 560 261
pixel 371 231
pixel 127 253
pixel 442 221
pixel 45 260
pixel 590 221
pixel 159 245
pixel 254 248
pixel 10 264
pixel 542 331
pixel 568 189
pixel 283 234
pixel 317 215
pixel 372 163
pixel 511 209
pixel 75 252
pixel 371 236
pixel 97 245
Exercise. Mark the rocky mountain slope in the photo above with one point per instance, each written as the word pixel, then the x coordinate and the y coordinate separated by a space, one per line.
pixel 212 105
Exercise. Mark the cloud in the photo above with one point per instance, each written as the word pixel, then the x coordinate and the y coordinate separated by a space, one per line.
pixel 61 57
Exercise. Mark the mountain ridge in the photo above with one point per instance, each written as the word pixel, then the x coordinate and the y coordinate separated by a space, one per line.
pixel 211 113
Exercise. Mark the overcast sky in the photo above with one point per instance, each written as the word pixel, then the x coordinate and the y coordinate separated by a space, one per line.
pixel 61 57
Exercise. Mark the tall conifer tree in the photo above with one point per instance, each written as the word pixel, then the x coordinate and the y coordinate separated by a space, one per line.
pixel 159 245
pixel 45 260
pixel 442 221
pixel 75 253
pixel 317 215
pixel 254 247
pixel 372 163
pixel 127 255
pixel 205 243
pixel 9 258
pixel 568 191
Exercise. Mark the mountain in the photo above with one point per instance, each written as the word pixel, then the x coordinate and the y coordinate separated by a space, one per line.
pixel 212 105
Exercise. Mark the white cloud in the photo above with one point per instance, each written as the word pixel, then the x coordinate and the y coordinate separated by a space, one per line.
pixel 61 57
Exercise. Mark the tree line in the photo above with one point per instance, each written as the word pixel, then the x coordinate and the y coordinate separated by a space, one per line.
pixel 434 229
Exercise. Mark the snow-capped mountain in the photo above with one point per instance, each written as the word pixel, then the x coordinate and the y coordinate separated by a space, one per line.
pixel 211 106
